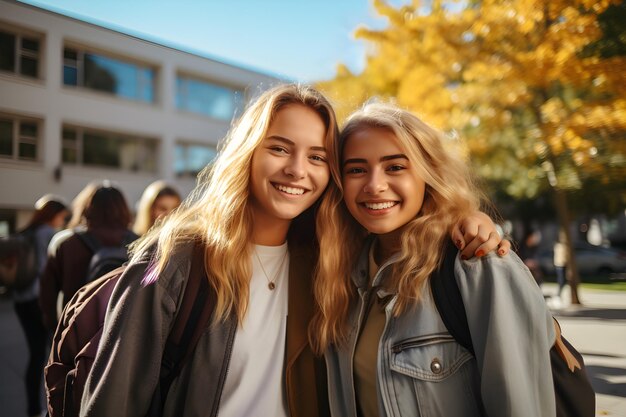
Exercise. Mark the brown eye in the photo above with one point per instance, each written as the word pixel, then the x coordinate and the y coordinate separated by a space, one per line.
pixel 318 158
pixel 395 168
pixel 278 149
pixel 354 170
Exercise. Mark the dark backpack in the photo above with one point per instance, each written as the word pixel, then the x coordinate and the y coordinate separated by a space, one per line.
pixel 75 342
pixel 19 266
pixel 104 259
pixel 574 394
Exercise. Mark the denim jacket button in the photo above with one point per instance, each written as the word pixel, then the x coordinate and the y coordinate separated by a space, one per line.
pixel 436 366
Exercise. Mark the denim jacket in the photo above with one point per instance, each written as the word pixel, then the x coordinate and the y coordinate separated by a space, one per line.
pixel 422 371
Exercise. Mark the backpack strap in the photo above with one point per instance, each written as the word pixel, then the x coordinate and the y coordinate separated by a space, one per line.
pixel 574 394
pixel 449 303
pixel 564 349
pixel 448 300
pixel 129 237
pixel 94 244
pixel 89 240
pixel 196 308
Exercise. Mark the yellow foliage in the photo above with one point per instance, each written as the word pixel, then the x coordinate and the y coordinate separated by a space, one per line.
pixel 511 76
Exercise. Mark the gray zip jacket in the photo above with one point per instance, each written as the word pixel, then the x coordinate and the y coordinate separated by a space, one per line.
pixel 422 371
pixel 139 318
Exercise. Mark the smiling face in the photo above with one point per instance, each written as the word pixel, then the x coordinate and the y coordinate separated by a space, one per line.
pixel 58 221
pixel 163 205
pixel 382 189
pixel 289 169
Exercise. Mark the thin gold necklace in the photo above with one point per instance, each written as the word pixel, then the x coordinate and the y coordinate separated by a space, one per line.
pixel 271 283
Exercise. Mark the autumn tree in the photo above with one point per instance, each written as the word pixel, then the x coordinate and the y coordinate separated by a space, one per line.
pixel 527 83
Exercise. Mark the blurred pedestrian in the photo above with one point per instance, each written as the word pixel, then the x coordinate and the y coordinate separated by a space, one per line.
pixel 80 203
pixel 50 215
pixel 528 253
pixel 106 218
pixel 560 262
pixel 77 220
pixel 157 200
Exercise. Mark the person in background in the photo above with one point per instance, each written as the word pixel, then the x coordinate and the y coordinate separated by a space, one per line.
pixel 387 349
pixel 80 203
pixel 77 219
pixel 157 200
pixel 528 253
pixel 560 262
pixel 106 217
pixel 49 217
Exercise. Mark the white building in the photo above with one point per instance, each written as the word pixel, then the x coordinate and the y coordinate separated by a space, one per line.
pixel 80 102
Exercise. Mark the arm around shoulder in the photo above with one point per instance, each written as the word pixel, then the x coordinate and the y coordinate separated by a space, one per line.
pixel 512 333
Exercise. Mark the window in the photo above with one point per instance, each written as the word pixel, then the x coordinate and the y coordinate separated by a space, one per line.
pixel 206 98
pixel 101 73
pixel 19 53
pixel 190 159
pixel 19 138
pixel 98 148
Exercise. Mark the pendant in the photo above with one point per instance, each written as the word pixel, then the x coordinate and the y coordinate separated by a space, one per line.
pixel 271 286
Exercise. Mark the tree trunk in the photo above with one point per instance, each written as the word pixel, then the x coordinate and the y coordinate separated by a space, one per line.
pixel 562 209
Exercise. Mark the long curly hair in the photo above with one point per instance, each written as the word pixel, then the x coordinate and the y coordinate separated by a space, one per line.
pixel 217 212
pixel 450 195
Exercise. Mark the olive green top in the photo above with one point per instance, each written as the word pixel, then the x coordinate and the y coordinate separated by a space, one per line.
pixel 366 353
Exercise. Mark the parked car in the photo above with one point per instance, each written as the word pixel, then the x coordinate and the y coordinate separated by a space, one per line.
pixel 591 260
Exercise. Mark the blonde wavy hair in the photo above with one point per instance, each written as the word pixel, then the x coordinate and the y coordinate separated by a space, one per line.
pixel 217 212
pixel 451 195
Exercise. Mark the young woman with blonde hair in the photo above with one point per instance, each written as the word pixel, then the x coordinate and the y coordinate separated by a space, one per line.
pixel 253 213
pixel 388 351
pixel 157 200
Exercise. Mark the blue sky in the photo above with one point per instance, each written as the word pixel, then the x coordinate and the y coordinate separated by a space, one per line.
pixel 298 40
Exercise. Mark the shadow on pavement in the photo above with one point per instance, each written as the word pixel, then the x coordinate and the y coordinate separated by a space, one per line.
pixel 593 313
pixel 601 376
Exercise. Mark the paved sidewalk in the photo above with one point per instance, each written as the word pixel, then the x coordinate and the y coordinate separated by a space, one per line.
pixel 598 331
pixel 13 360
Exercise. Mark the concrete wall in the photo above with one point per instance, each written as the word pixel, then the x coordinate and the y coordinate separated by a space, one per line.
pixel 47 99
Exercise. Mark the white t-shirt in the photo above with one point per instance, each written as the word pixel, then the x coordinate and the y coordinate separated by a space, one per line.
pixel 254 384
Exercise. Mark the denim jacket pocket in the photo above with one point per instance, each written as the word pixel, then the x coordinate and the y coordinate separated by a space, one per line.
pixel 426 372
pixel 432 357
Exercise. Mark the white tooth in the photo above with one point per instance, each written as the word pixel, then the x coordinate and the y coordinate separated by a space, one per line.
pixel 290 190
pixel 380 206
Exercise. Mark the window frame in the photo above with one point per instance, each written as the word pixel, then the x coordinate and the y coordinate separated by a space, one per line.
pixel 140 80
pixel 129 138
pixel 19 52
pixel 238 107
pixel 18 138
